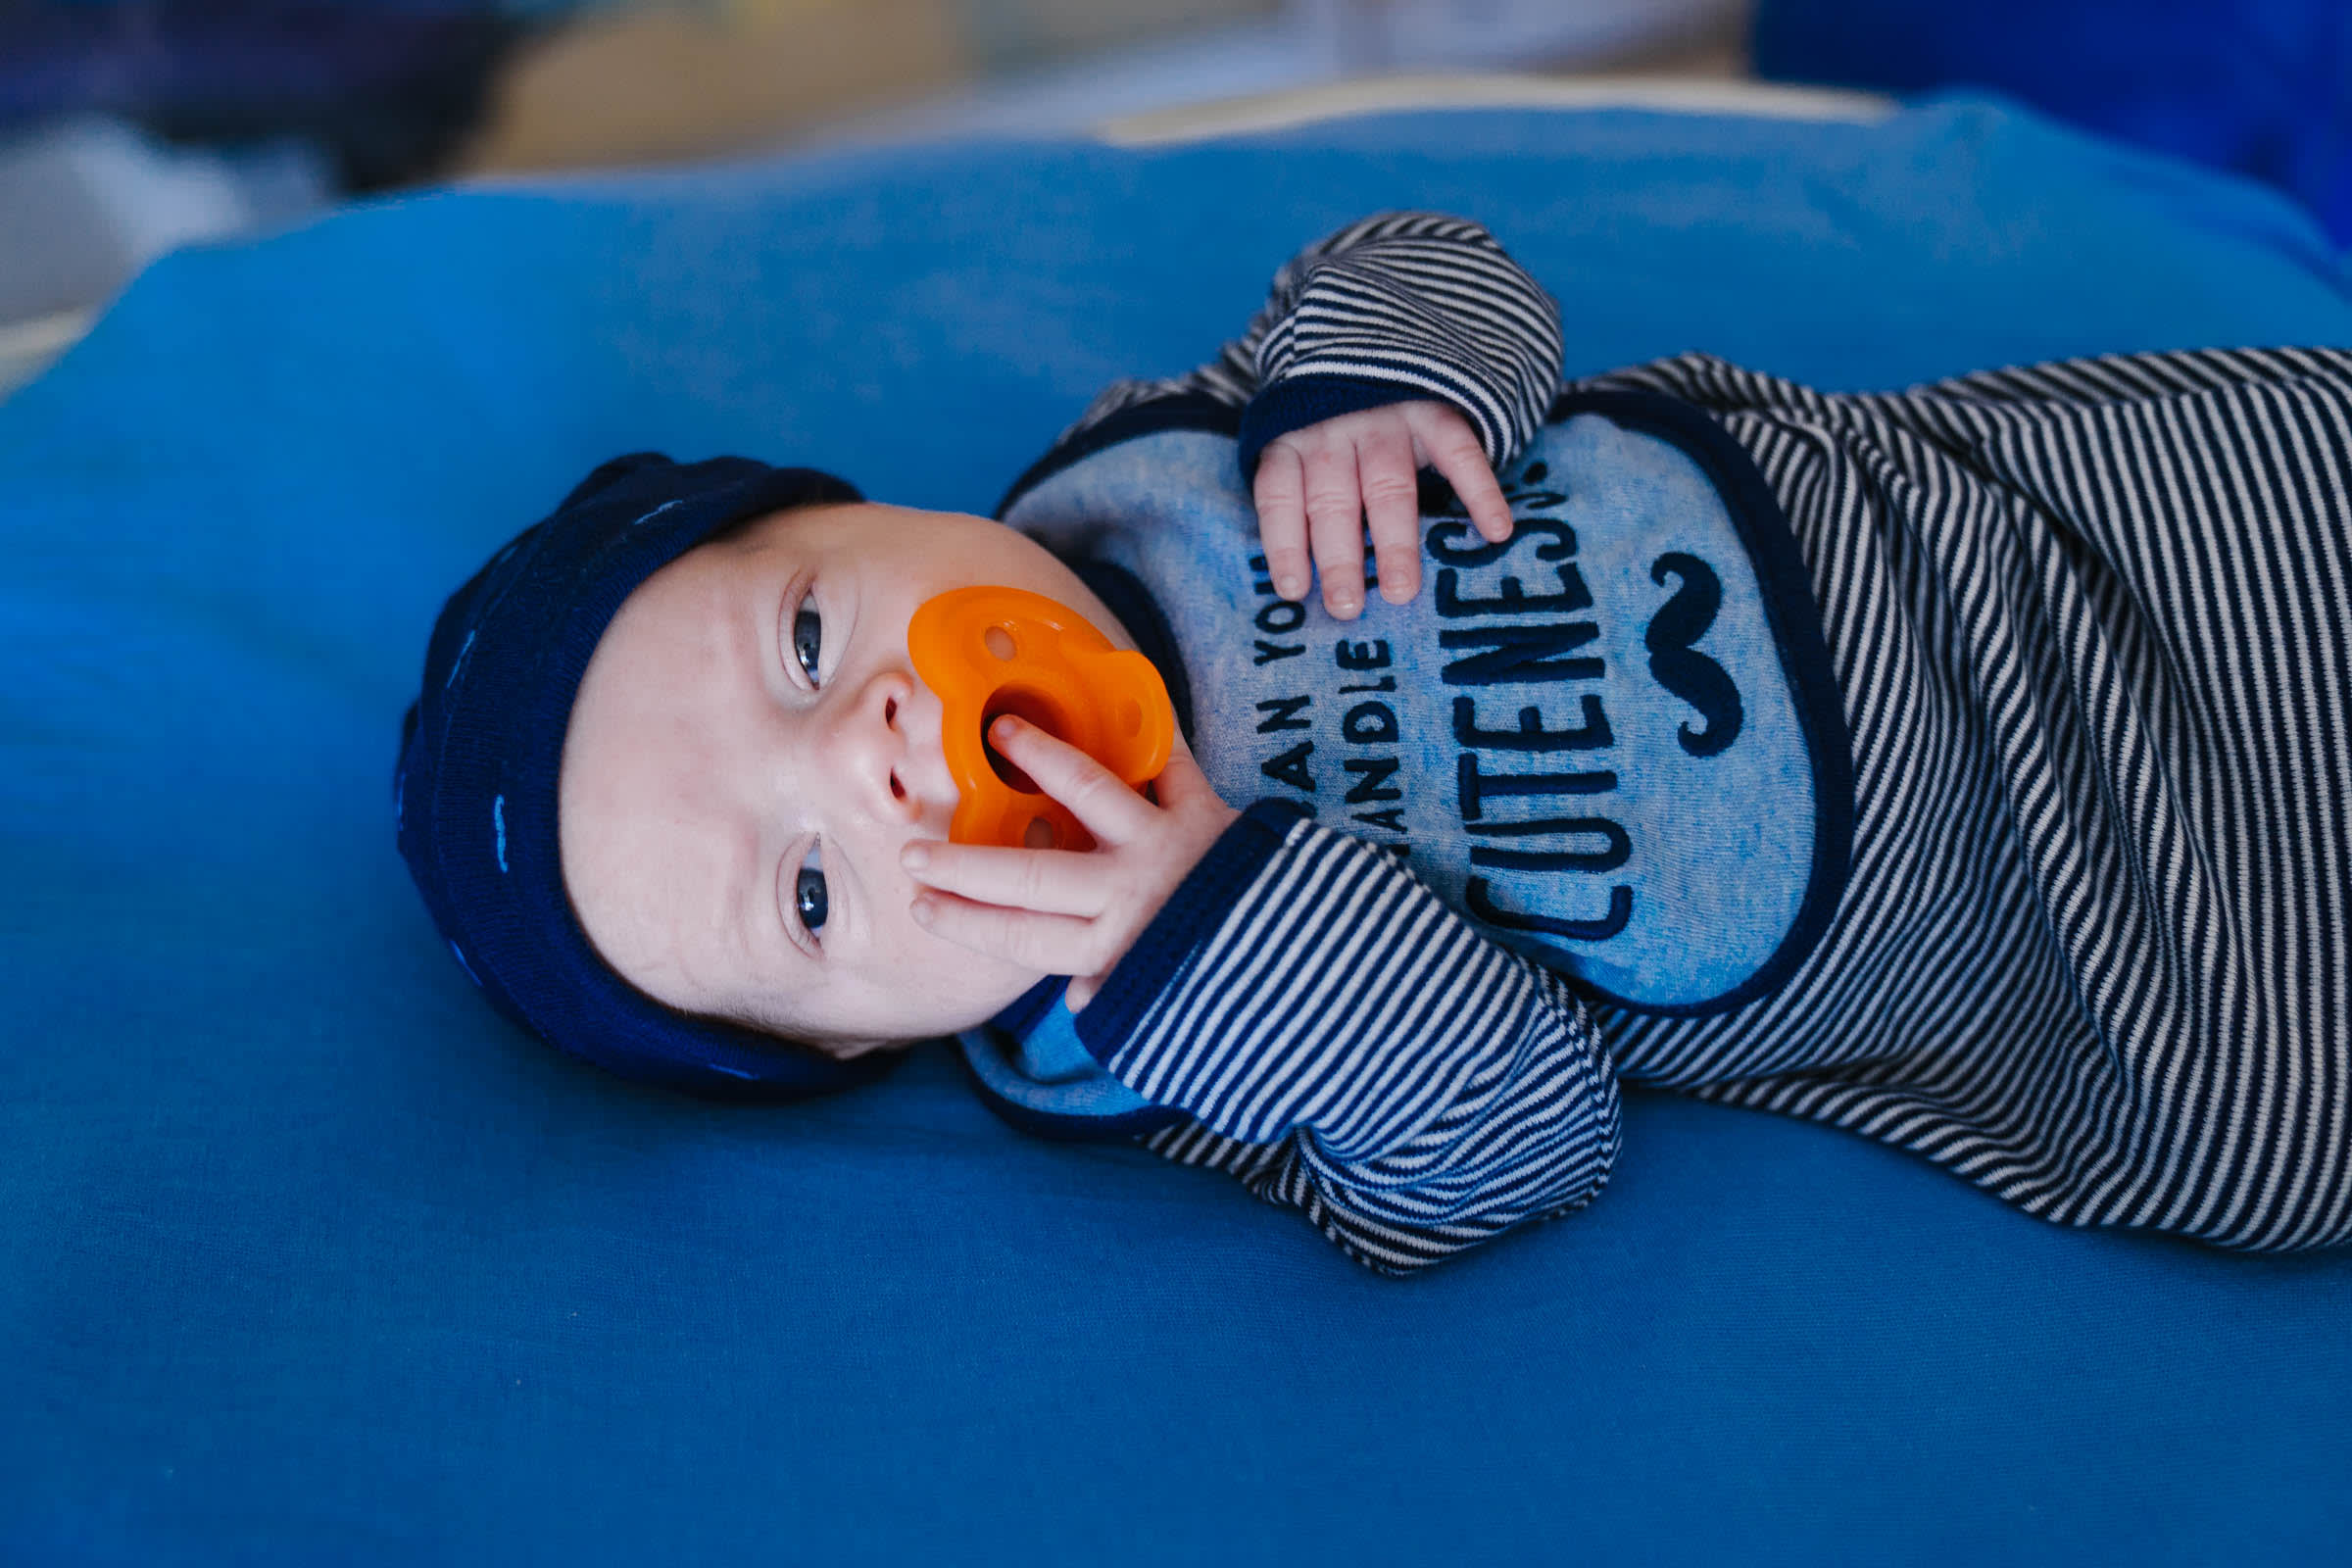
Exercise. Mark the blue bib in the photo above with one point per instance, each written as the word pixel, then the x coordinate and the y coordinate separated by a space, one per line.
pixel 1613 741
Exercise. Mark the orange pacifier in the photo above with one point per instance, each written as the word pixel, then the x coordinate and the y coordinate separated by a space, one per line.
pixel 992 651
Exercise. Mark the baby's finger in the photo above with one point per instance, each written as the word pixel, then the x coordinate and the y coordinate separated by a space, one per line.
pixel 1281 492
pixel 1050 944
pixel 1335 526
pixel 1183 788
pixel 1047 881
pixel 1101 800
pixel 1447 441
pixel 1384 462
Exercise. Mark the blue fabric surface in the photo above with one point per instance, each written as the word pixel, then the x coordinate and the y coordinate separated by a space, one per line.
pixel 305 1255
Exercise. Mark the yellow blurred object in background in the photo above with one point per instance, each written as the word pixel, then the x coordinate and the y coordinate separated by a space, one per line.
pixel 656 85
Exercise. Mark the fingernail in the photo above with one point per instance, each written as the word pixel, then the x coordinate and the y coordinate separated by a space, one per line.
pixel 915 856
pixel 1290 587
pixel 920 909
pixel 1006 727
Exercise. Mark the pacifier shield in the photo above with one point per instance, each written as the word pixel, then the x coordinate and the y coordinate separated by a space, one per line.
pixel 987 651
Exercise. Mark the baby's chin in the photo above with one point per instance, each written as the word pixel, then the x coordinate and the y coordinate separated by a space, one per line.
pixel 851 1050
pixel 902 1028
pixel 843 1047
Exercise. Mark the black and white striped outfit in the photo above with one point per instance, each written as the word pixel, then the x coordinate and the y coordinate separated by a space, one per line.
pixel 2093 621
pixel 2089 625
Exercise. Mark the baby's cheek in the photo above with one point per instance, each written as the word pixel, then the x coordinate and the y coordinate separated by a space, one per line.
pixel 961 974
pixel 955 981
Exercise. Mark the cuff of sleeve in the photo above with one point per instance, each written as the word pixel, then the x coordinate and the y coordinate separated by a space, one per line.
pixel 1304 400
pixel 1193 912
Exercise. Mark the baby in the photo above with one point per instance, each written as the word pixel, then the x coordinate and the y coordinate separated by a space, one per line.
pixel 1964 766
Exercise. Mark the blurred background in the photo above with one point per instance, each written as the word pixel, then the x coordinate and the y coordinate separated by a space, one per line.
pixel 130 126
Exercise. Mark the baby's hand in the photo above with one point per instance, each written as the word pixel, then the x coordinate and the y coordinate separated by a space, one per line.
pixel 1322 484
pixel 1060 911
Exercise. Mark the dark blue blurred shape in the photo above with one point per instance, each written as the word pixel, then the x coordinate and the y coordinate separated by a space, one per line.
pixel 2263 87
pixel 386 88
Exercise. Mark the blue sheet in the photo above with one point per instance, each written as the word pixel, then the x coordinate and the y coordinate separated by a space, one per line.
pixel 306 1256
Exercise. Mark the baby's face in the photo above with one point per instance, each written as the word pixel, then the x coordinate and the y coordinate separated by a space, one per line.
pixel 750 752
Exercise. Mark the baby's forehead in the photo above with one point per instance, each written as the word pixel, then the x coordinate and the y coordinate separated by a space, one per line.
pixel 853 529
pixel 653 849
pixel 843 524
pixel 638 731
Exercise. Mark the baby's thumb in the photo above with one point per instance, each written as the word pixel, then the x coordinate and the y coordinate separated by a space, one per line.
pixel 1182 782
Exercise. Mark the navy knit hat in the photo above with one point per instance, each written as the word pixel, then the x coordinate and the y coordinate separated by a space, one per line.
pixel 474 791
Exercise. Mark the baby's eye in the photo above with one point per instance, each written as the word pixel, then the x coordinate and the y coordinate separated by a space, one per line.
pixel 807 638
pixel 808 892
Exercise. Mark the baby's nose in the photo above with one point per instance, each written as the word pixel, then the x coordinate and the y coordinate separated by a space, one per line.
pixel 922 764
pixel 880 745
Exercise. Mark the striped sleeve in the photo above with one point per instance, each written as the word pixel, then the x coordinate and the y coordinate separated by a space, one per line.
pixel 1347 1045
pixel 1392 306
